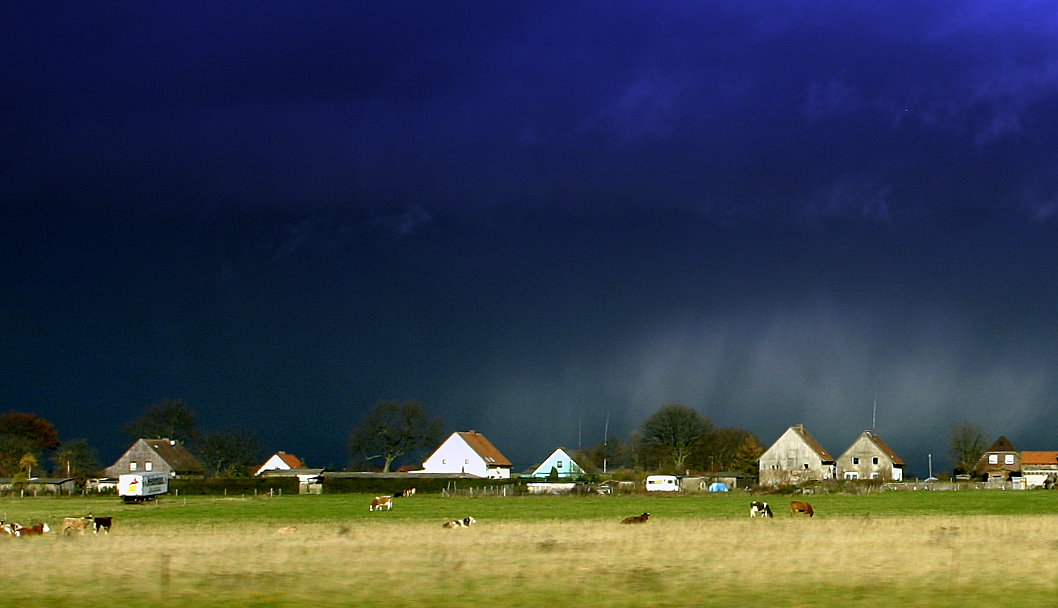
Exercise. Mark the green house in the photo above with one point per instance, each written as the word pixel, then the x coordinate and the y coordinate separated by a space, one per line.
pixel 561 463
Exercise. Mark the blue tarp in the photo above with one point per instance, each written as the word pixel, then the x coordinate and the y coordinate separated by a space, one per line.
pixel 716 486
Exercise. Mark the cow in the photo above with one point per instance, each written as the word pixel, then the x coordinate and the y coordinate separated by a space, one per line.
pixel 6 528
pixel 76 524
pixel 406 492
pixel 36 530
pixel 759 508
pixel 801 507
pixel 466 522
pixel 381 502
pixel 102 524
pixel 636 519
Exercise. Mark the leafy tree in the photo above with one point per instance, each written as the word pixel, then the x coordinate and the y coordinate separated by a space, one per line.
pixel 967 446
pixel 77 459
pixel 719 449
pixel 171 419
pixel 230 453
pixel 674 433
pixel 392 429
pixel 21 434
pixel 747 460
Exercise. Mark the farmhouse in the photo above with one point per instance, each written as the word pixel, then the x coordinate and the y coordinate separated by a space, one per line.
pixel 561 463
pixel 468 453
pixel 280 461
pixel 999 462
pixel 1039 469
pixel 794 458
pixel 870 458
pixel 157 455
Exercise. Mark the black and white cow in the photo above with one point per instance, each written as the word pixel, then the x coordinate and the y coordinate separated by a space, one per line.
pixel 759 508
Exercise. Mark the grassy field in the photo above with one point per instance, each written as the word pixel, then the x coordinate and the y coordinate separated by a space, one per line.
pixel 924 549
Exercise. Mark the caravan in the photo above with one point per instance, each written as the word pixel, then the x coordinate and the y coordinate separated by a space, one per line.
pixel 663 483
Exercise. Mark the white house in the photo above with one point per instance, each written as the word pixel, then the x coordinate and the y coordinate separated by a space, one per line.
pixel 562 463
pixel 468 453
pixel 280 461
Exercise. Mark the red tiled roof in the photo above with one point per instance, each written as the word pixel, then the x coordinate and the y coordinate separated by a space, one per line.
pixel 816 447
pixel 1038 458
pixel 885 448
pixel 484 448
pixel 292 461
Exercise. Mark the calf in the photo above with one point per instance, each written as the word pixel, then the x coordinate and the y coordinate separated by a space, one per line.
pixel 75 524
pixel 406 492
pixel 381 502
pixel 6 528
pixel 801 507
pixel 759 508
pixel 636 519
pixel 102 524
pixel 36 530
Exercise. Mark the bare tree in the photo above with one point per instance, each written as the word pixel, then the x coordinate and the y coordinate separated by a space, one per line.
pixel 674 433
pixel 393 429
pixel 967 446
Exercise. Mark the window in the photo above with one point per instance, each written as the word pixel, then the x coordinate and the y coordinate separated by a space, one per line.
pixel 466 461
pixel 1008 459
pixel 852 475
pixel 806 466
pixel 855 460
pixel 874 460
pixel 993 459
pixel 132 466
pixel 558 464
pixel 444 461
pixel 148 466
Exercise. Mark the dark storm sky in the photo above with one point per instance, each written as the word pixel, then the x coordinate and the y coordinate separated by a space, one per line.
pixel 531 216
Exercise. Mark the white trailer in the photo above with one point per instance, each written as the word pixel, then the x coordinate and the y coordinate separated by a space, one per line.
pixel 138 487
pixel 663 483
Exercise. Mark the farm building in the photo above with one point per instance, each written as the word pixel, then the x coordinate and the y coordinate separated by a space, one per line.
pixel 157 455
pixel 795 457
pixel 999 462
pixel 870 458
pixel 1039 469
pixel 468 453
pixel 280 461
pixel 561 463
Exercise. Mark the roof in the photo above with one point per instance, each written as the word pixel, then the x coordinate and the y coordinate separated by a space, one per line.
pixel 175 454
pixel 882 445
pixel 484 448
pixel 811 442
pixel 1039 458
pixel 292 461
pixel 1002 445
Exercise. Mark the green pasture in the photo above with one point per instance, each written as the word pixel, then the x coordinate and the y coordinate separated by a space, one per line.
pixel 348 508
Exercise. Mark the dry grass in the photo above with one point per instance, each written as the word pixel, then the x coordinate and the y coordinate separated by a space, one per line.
pixel 909 561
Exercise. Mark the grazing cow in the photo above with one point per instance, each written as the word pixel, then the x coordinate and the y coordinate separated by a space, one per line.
pixel 6 528
pixel 102 524
pixel 406 492
pixel 381 502
pixel 36 530
pixel 759 508
pixel 636 519
pixel 76 524
pixel 801 507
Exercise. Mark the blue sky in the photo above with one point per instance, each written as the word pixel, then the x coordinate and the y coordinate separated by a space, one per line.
pixel 531 217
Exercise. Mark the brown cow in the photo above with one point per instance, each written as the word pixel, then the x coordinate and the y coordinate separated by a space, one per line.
pixel 801 507
pixel 36 530
pixel 636 519
pixel 381 502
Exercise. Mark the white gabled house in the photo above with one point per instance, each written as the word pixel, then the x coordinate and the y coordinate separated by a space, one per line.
pixel 562 463
pixel 796 457
pixel 468 453
pixel 280 461
pixel 869 457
